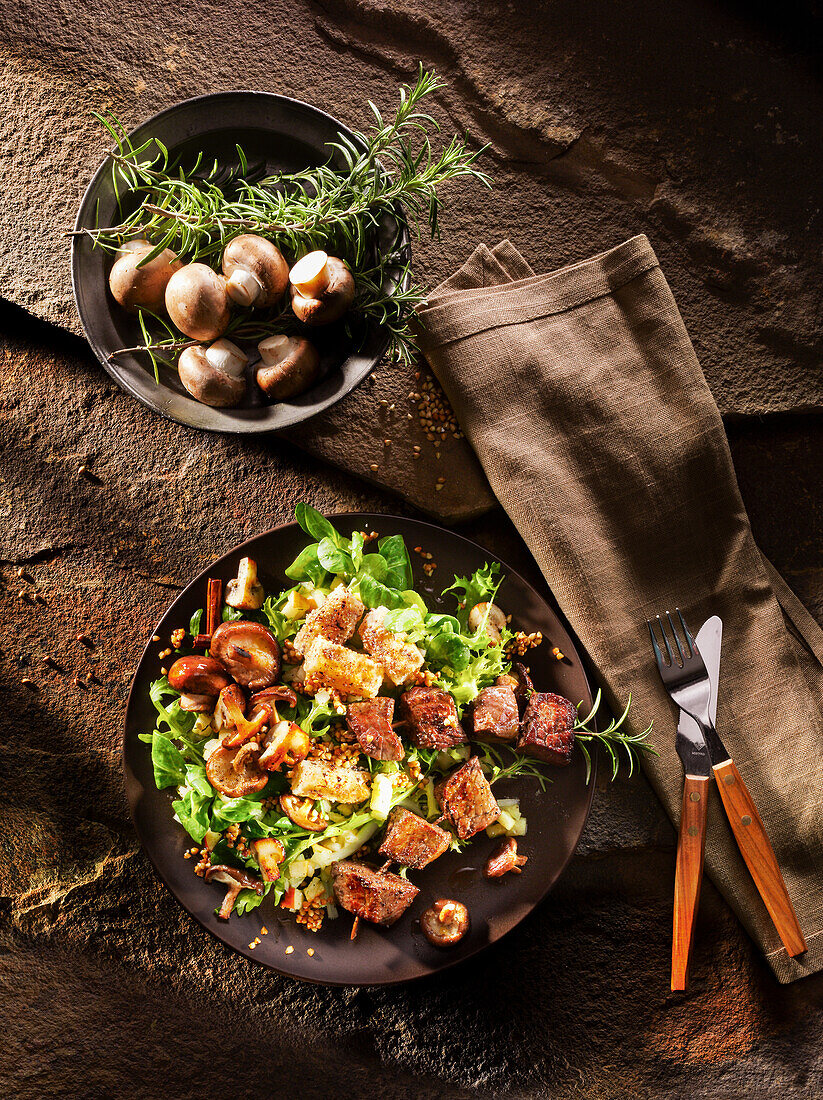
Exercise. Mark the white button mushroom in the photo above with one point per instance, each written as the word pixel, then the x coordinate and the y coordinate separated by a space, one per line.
pixel 290 365
pixel 214 375
pixel 197 302
pixel 495 619
pixel 256 273
pixel 322 288
pixel 136 287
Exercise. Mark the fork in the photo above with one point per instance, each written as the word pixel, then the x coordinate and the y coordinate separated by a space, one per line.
pixel 685 678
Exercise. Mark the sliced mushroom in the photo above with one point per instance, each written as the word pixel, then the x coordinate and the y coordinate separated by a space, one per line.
pixel 322 288
pixel 290 365
pixel 245 592
pixel 256 273
pixel 302 812
pixel 505 859
pixel 203 676
pixel 445 923
pixel 288 744
pixel 229 718
pixel 214 375
pixel 270 854
pixel 249 651
pixel 495 619
pixel 236 881
pixel 229 781
pixel 197 302
pixel 136 287
pixel 197 704
pixel 269 698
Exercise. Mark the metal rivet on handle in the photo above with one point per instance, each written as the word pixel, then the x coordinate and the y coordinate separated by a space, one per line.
pixel 694 796
pixel 729 779
pixel 746 820
pixel 692 830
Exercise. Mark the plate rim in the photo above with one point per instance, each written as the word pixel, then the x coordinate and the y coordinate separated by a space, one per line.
pixel 130 781
pixel 242 428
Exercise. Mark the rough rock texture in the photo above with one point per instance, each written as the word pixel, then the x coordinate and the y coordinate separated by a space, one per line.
pixel 111 989
pixel 695 122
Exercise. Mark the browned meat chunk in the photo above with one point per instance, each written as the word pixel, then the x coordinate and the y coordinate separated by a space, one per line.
pixel 370 722
pixel 466 799
pixel 547 731
pixel 495 714
pixel 431 718
pixel 411 840
pixel 377 896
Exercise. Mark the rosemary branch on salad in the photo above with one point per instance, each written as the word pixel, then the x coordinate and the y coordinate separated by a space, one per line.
pixel 342 208
pixel 455 658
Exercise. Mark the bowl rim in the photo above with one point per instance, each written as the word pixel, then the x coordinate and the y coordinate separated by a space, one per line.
pixel 121 377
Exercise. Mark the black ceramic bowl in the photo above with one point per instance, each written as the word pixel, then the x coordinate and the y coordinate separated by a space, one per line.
pixel 379 956
pixel 277 134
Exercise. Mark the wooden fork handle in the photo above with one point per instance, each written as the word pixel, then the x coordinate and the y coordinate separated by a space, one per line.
pixel 691 844
pixel 758 853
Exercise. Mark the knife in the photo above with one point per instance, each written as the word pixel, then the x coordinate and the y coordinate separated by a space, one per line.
pixel 691 841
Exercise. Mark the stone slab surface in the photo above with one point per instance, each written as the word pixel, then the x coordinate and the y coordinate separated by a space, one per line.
pixel 695 122
pixel 110 989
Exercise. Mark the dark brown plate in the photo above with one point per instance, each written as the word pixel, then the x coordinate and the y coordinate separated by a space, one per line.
pixel 379 956
pixel 277 134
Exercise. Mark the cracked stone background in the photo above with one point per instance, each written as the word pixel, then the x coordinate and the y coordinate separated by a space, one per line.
pixel 697 123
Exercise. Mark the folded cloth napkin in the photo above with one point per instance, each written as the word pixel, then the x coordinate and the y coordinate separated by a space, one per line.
pixel 582 396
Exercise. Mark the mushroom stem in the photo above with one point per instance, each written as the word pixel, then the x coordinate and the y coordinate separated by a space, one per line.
pixel 310 275
pixel 243 287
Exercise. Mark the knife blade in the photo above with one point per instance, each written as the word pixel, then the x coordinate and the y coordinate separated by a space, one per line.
pixel 691 748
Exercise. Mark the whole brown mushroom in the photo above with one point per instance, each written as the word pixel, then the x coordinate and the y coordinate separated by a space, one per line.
pixel 290 365
pixel 445 923
pixel 197 302
pixel 256 273
pixel 322 288
pixel 199 680
pixel 214 375
pixel 136 287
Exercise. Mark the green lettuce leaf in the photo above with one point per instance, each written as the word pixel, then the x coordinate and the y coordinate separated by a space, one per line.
pixel 169 763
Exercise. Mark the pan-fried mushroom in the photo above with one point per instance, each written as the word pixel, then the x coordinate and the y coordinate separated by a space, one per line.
pixel 268 699
pixel 236 881
pixel 302 812
pixel 245 592
pixel 233 783
pixel 230 719
pixel 445 923
pixel 249 651
pixel 504 859
pixel 288 744
pixel 495 619
pixel 270 853
pixel 199 680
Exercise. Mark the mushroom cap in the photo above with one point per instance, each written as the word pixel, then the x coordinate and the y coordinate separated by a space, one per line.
pixel 210 375
pixel 249 651
pixel 198 676
pixel 234 782
pixel 264 260
pixel 144 287
pixel 197 302
pixel 302 812
pixel 448 931
pixel 290 366
pixel 331 302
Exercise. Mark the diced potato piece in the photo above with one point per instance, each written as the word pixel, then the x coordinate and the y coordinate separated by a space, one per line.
pixel 351 674
pixel 300 602
pixel 269 853
pixel 334 620
pixel 314 779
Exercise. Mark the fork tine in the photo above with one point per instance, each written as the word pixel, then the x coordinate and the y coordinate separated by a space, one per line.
pixel 676 639
pixel 665 640
pixel 658 656
pixel 686 631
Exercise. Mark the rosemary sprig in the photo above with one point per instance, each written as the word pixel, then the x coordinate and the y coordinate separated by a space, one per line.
pixel 348 208
pixel 612 738
pixel 496 767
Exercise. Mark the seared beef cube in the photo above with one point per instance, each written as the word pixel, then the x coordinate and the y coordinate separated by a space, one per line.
pixel 495 715
pixel 431 717
pixel 411 840
pixel 547 731
pixel 466 799
pixel 519 681
pixel 370 722
pixel 377 896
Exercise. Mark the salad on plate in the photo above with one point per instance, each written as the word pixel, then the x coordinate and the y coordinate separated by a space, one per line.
pixel 327 741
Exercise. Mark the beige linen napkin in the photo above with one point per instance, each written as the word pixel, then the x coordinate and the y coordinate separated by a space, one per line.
pixel 581 394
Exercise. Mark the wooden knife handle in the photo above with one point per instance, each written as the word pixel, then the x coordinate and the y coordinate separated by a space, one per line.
pixel 691 844
pixel 758 853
